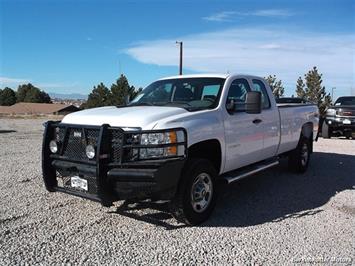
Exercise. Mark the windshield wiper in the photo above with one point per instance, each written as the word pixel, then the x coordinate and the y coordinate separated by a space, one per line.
pixel 178 104
pixel 141 104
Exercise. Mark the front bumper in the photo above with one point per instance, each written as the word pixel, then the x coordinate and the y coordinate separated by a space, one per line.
pixel 107 181
pixel 340 123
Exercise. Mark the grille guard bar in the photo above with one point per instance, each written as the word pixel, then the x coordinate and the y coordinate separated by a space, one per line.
pixel 101 162
pixel 49 172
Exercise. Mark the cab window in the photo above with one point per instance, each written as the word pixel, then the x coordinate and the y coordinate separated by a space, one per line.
pixel 259 86
pixel 238 92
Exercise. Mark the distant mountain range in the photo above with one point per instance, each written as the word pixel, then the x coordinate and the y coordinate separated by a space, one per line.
pixel 71 96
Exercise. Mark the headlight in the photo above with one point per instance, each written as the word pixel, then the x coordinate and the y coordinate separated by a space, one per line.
pixel 163 141
pixel 53 146
pixel 90 151
pixel 163 138
pixel 331 112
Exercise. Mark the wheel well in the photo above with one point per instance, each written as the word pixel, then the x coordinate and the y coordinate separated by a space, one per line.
pixel 307 131
pixel 208 149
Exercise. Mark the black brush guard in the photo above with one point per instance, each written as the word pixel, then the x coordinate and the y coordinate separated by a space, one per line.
pixel 108 159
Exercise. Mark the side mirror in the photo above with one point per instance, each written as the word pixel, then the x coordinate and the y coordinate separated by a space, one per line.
pixel 253 102
pixel 230 106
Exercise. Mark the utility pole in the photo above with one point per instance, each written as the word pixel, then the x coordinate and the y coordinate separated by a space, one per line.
pixel 334 88
pixel 180 64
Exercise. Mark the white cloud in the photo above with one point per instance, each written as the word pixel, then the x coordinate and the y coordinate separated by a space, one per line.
pixel 221 16
pixel 288 54
pixel 8 82
pixel 272 13
pixel 15 82
pixel 225 16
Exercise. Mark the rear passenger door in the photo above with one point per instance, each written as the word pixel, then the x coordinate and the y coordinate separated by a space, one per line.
pixel 270 121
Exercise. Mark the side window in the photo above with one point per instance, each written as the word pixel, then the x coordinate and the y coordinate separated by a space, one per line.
pixel 238 92
pixel 258 85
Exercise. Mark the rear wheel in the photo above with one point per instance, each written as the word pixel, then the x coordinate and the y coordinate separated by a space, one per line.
pixel 326 134
pixel 298 160
pixel 197 192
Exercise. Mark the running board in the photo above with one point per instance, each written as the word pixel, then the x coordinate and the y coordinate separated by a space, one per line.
pixel 250 171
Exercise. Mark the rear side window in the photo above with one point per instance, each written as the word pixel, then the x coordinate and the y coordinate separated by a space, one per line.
pixel 259 86
pixel 238 92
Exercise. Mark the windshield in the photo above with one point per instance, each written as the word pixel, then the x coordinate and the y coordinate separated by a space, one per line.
pixel 189 93
pixel 345 101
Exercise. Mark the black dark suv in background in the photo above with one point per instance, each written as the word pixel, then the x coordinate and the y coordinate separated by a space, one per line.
pixel 340 118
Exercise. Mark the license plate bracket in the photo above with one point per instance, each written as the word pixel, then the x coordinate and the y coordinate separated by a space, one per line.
pixel 79 183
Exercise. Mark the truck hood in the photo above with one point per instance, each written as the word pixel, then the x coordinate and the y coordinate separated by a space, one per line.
pixel 344 110
pixel 144 117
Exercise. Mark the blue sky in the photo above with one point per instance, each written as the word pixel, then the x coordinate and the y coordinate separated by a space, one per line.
pixel 70 46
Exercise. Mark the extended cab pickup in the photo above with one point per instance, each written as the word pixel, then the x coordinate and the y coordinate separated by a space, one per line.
pixel 176 141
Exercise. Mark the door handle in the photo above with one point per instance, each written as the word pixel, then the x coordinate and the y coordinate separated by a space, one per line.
pixel 257 121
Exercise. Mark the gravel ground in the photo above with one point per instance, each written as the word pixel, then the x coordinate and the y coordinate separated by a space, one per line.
pixel 274 217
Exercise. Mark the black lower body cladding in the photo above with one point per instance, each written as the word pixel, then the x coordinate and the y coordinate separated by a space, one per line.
pixel 103 179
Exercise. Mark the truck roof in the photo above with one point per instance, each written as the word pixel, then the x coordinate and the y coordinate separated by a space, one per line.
pixel 197 76
pixel 207 75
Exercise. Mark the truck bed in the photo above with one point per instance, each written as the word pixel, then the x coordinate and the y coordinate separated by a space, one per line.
pixel 292 117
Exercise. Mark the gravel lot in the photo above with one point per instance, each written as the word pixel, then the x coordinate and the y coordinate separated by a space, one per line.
pixel 274 217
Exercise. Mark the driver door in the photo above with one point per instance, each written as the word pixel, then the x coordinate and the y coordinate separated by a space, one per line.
pixel 243 134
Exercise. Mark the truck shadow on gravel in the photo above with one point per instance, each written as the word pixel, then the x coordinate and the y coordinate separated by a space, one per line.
pixel 270 196
pixel 154 213
pixel 2 131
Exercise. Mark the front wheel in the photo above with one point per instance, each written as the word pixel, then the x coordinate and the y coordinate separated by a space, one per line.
pixel 197 192
pixel 298 160
pixel 326 134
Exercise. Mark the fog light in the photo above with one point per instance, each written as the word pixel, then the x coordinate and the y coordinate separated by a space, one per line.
pixel 53 146
pixel 90 151
pixel 329 122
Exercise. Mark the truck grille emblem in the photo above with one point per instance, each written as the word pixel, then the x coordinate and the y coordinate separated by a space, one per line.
pixel 77 134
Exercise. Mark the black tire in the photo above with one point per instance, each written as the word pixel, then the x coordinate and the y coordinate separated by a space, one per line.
pixel 348 135
pixel 326 131
pixel 182 205
pixel 298 159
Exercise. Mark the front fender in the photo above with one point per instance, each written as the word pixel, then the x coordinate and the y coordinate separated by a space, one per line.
pixel 200 126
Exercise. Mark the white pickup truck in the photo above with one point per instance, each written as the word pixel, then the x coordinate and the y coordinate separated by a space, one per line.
pixel 176 141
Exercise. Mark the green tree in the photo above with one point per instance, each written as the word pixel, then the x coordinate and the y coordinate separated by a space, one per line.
pixel 300 88
pixel 276 86
pixel 7 97
pixel 45 98
pixel 22 91
pixel 121 89
pixel 313 90
pixel 31 94
pixel 100 96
